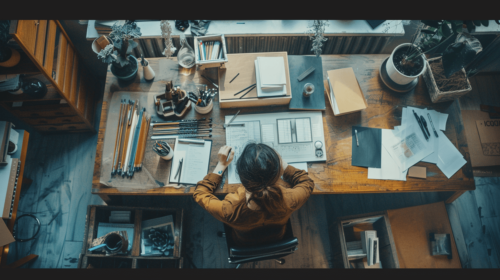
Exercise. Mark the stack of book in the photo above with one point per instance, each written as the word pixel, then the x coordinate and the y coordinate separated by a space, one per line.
pixel 344 92
pixel 210 50
pixel 369 242
pixel 119 217
pixel 9 169
pixel 270 75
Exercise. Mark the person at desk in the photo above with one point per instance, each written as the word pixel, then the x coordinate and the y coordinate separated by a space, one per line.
pixel 258 211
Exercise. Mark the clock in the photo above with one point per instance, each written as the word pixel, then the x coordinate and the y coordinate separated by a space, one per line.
pixel 319 151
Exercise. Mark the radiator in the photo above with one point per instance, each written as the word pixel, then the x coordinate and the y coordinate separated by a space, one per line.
pixel 294 45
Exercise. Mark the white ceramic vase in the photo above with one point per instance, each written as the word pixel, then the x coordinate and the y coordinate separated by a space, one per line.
pixel 394 74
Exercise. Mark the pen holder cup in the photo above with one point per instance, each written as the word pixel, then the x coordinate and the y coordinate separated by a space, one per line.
pixel 205 110
pixel 169 155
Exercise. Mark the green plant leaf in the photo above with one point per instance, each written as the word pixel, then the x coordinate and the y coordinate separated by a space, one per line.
pixel 477 22
pixel 433 23
pixel 456 56
pixel 446 30
pixel 485 22
pixel 470 26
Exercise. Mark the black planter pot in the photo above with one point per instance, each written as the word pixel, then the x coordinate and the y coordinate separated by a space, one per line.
pixel 124 75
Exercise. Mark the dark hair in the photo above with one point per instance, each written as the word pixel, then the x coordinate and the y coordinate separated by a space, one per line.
pixel 259 168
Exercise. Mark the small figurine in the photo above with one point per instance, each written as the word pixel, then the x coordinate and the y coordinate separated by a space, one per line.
pixel 149 73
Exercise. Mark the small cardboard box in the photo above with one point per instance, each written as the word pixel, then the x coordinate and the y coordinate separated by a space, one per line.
pixel 210 63
pixel 243 64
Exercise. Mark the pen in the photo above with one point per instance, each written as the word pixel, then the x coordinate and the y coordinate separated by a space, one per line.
pixel 210 80
pixel 420 124
pixel 435 133
pixel 356 133
pixel 425 125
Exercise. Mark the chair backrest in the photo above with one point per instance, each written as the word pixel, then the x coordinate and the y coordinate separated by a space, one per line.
pixel 288 243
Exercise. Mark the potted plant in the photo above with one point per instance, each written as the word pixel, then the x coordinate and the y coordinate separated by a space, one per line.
pixel 118 52
pixel 9 57
pixel 446 77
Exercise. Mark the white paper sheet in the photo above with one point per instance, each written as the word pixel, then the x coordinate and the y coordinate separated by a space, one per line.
pixel 284 131
pixel 178 155
pixel 303 129
pixel 408 118
pixel 442 121
pixel 299 165
pixel 450 160
pixel 389 170
pixel 267 133
pixel 238 137
pixel 407 146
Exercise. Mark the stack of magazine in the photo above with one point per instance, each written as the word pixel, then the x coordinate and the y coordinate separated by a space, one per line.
pixel 152 243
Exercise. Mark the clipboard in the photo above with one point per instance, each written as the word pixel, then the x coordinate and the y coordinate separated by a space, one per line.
pixel 195 161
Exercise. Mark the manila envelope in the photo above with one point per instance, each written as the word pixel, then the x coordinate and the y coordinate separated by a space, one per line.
pixel 489 135
pixel 477 157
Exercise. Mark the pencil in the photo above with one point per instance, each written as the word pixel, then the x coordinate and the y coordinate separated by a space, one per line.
pixel 144 143
pixel 116 140
pixel 125 139
pixel 140 141
pixel 244 89
pixel 234 78
pixel 248 91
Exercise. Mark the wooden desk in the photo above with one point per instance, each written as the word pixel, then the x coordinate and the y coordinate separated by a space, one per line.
pixel 336 176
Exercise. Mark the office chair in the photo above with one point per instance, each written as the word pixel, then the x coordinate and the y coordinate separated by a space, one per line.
pixel 274 250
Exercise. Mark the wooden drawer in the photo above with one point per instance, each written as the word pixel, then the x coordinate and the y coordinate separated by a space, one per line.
pixel 53 120
pixel 97 214
pixel 56 110
pixel 62 127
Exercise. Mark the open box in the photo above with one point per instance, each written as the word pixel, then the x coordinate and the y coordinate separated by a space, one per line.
pixel 243 64
pixel 202 64
pixel 403 236
pixel 98 213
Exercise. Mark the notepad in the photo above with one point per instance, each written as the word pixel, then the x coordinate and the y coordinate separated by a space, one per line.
pixel 196 161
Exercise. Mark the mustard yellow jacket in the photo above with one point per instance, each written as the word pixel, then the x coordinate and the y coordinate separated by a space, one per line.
pixel 251 227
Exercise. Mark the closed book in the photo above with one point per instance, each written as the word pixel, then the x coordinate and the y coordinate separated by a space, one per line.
pixel 345 91
pixel 365 242
pixel 8 185
pixel 297 65
pixel 261 93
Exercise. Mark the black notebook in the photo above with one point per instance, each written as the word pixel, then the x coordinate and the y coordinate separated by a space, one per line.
pixel 297 65
pixel 369 151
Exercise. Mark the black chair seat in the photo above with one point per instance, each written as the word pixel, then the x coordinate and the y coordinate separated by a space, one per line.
pixel 272 250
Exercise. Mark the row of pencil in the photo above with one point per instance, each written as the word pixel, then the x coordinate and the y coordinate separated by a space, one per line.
pixel 211 50
pixel 131 137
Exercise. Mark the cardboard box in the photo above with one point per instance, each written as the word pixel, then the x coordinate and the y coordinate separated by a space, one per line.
pixel 210 63
pixel 347 94
pixel 244 64
pixel 417 172
pixel 477 157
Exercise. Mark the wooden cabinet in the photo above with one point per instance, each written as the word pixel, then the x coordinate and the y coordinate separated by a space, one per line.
pixel 48 54
pixel 98 213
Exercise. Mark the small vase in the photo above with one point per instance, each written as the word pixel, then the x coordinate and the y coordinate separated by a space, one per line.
pixel 133 64
pixel 186 54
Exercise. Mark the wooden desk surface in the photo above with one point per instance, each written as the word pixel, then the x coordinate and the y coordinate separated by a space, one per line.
pixel 336 176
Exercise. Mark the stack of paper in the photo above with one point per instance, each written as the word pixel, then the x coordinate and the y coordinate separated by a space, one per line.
pixel 406 145
pixel 9 82
pixel 270 75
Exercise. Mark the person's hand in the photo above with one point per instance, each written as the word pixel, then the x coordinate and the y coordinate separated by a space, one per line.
pixel 224 154
pixel 284 164
pixel 224 161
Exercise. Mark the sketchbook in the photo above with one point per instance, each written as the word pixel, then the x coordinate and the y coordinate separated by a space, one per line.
pixel 195 161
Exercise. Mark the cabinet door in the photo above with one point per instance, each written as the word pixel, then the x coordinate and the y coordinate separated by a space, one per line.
pixel 26 32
